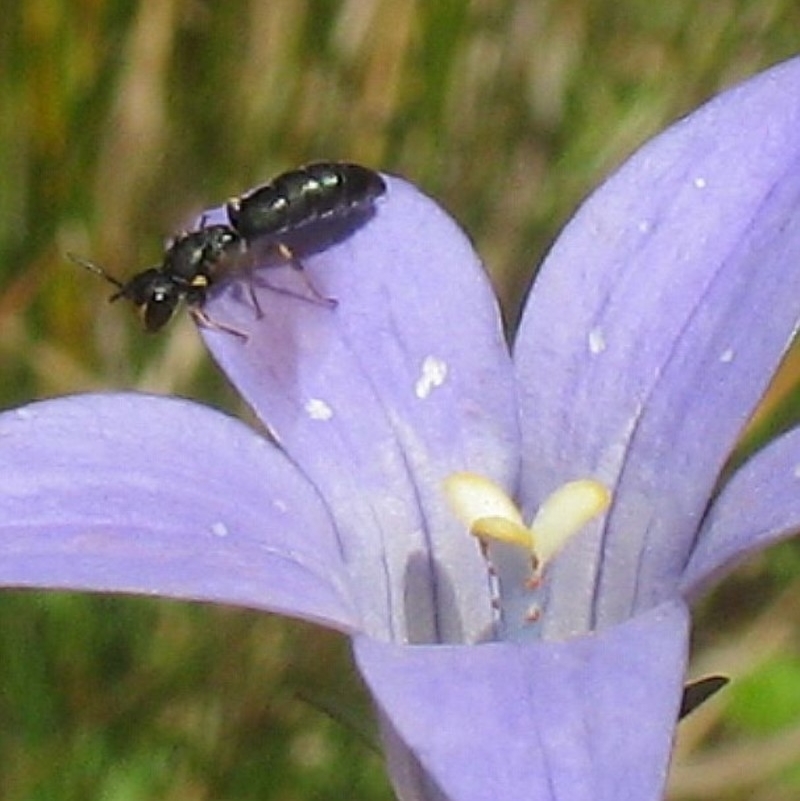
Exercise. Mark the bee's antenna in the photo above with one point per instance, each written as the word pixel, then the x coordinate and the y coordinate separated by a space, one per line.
pixel 97 269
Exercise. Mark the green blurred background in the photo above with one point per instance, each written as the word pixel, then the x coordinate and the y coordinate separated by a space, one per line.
pixel 121 119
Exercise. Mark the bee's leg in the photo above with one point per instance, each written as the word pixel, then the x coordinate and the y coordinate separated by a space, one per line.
pixel 202 319
pixel 288 255
pixel 251 291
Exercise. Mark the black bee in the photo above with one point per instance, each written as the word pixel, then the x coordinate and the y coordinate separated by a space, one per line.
pixel 196 260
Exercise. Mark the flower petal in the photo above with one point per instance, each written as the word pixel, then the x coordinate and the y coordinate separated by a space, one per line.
pixel 759 505
pixel 133 493
pixel 589 719
pixel 405 381
pixel 652 332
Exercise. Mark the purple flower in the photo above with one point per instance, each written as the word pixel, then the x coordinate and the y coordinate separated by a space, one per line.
pixel 650 335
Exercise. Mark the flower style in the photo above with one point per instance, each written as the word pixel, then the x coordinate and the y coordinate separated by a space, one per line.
pixel 650 335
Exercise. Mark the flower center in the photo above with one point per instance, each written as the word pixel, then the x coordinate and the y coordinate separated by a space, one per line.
pixel 491 516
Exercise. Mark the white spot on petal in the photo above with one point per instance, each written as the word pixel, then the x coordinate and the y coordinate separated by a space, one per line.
pixel 219 529
pixel 432 375
pixel 317 409
pixel 24 413
pixel 796 471
pixel 700 183
pixel 280 505
pixel 597 341
pixel 644 226
pixel 726 357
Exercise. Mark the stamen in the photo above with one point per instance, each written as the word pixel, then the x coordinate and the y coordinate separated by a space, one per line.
pixel 473 497
pixel 564 513
pixel 501 529
pixel 486 509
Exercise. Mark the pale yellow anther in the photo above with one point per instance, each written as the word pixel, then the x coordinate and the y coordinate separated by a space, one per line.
pixel 564 513
pixel 488 512
pixel 473 497
pixel 501 529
